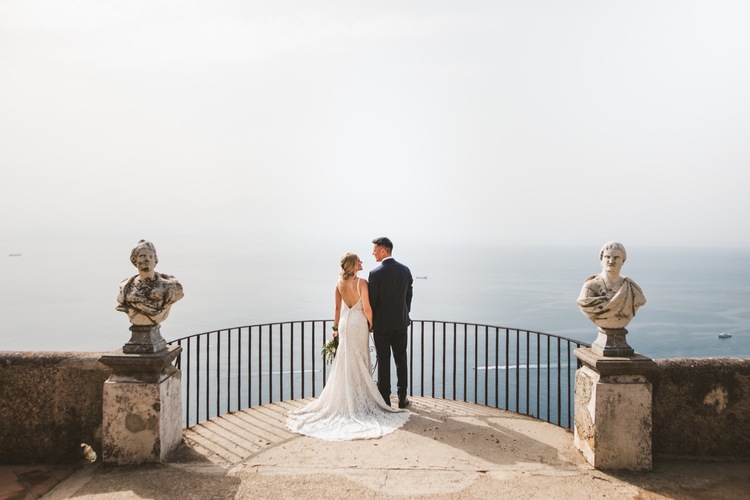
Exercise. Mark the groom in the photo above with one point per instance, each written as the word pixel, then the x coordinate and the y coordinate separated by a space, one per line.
pixel 390 287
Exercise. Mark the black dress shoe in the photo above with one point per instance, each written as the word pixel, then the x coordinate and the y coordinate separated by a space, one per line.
pixel 403 402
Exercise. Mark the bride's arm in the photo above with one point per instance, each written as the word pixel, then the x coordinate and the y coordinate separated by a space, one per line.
pixel 337 310
pixel 366 301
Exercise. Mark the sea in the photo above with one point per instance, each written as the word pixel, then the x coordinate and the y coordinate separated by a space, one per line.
pixel 61 295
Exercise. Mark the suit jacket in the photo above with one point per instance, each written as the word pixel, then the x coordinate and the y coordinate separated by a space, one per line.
pixel 390 287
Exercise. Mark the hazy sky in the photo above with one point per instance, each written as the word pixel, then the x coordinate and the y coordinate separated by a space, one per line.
pixel 572 122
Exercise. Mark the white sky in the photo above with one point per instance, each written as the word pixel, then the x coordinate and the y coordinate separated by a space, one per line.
pixel 527 121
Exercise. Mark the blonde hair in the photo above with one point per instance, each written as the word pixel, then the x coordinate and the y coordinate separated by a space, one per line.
pixel 349 265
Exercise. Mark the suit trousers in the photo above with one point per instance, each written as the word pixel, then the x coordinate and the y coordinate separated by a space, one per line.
pixel 385 343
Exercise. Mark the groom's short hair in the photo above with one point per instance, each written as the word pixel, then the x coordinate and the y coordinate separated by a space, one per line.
pixel 384 242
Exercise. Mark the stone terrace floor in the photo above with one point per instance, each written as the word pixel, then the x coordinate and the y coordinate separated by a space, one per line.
pixel 448 449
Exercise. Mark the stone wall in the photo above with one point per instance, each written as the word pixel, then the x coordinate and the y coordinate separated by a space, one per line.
pixel 50 404
pixel 701 408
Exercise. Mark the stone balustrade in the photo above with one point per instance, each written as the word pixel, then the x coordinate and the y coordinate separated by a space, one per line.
pixel 51 403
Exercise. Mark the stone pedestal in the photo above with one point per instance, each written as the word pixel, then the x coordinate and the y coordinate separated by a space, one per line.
pixel 613 400
pixel 142 415
pixel 611 342
pixel 144 339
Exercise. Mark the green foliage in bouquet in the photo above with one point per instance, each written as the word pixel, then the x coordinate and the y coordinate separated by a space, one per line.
pixel 329 349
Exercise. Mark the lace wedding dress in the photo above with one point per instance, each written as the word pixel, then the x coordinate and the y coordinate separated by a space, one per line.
pixel 350 406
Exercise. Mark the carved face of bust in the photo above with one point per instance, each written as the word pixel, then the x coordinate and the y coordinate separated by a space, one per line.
pixel 612 261
pixel 145 260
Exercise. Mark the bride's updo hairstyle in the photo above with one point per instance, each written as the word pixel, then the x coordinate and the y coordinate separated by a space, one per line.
pixel 349 265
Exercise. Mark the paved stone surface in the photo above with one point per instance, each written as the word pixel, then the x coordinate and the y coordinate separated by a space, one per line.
pixel 447 450
pixel 22 482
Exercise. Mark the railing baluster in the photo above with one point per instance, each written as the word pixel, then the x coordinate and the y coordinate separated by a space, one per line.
pixel 218 372
pixel 486 364
pixel 497 367
pixel 239 369
pixel 249 366
pixel 313 356
pixel 301 361
pixel 208 378
pixel 281 361
pixel 325 329
pixel 186 352
pixel 549 400
pixel 229 370
pixel 507 369
pixel 433 359
pixel 466 356
pixel 528 378
pixel 538 375
pixel 455 365
pixel 476 361
pixel 518 373
pixel 570 410
pixel 421 363
pixel 445 354
pixel 198 379
pixel 559 384
pixel 260 365
pixel 270 363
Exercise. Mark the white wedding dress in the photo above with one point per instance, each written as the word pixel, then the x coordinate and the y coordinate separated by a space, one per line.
pixel 350 406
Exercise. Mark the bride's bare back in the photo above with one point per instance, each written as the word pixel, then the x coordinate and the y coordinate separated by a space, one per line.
pixel 351 290
pixel 348 289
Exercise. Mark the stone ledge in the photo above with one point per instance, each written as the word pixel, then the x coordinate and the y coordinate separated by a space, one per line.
pixel 151 368
pixel 606 366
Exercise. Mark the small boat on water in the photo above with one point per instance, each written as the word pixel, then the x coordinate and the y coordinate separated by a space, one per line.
pixel 724 335
pixel 15 255
pixel 420 277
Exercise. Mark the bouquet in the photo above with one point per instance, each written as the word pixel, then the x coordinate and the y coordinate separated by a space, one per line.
pixel 329 349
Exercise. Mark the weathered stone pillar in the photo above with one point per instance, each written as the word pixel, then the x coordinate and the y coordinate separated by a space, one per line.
pixel 142 415
pixel 613 401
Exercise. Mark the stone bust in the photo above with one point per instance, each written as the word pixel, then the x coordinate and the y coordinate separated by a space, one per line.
pixel 609 299
pixel 147 296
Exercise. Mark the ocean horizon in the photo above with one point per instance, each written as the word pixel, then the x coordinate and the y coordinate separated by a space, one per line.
pixel 61 295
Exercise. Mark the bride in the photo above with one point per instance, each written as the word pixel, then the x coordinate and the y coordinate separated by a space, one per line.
pixel 350 406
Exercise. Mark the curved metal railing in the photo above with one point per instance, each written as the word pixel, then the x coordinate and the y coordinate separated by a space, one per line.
pixel 527 372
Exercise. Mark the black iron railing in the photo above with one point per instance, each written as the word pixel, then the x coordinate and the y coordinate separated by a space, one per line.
pixel 526 372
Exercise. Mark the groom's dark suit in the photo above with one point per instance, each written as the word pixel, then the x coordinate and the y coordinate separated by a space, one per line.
pixel 390 287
